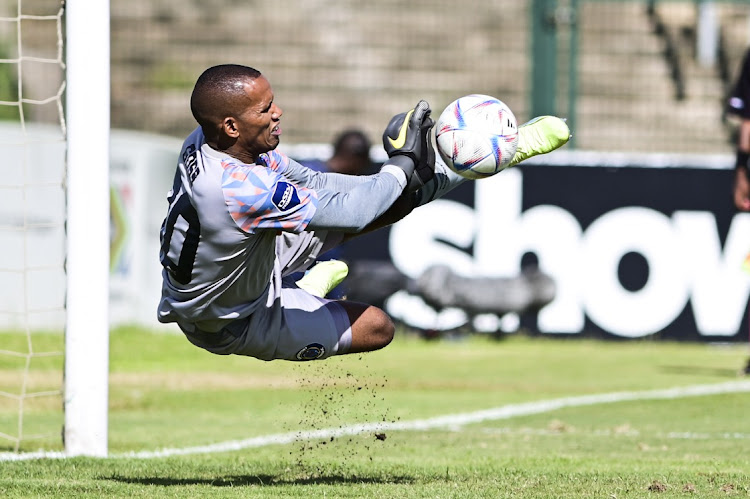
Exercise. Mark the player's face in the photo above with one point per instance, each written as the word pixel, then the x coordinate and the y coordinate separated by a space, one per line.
pixel 258 122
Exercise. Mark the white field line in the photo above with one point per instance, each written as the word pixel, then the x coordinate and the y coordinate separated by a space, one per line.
pixel 672 435
pixel 447 421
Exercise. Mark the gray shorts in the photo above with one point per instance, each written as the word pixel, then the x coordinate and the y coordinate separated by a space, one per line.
pixel 296 326
pixel 291 324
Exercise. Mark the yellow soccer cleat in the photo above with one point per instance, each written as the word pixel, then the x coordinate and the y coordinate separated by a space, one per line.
pixel 323 277
pixel 539 136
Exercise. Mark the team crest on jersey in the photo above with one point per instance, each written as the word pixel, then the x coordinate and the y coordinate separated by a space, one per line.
pixel 285 196
pixel 311 352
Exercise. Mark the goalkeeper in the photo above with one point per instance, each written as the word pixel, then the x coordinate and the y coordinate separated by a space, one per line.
pixel 242 217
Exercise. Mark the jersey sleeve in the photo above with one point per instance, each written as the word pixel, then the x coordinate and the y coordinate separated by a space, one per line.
pixel 259 197
pixel 303 175
pixel 275 160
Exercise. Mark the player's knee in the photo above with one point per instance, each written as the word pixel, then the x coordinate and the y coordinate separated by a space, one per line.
pixel 380 329
pixel 384 331
pixel 372 329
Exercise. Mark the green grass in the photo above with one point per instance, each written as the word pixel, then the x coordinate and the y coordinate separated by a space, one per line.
pixel 165 393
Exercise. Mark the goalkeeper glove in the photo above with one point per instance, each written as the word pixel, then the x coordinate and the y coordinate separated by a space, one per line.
pixel 408 135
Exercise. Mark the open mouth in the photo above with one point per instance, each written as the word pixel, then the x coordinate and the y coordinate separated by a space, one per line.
pixel 276 130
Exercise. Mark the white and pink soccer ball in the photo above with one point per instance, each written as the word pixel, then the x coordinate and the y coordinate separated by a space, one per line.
pixel 477 136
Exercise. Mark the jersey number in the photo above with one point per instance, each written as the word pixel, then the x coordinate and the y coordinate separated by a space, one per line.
pixel 182 270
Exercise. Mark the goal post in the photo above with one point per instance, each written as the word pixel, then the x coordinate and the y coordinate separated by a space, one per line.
pixel 87 111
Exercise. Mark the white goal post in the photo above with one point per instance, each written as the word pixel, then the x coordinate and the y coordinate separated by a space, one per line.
pixel 87 43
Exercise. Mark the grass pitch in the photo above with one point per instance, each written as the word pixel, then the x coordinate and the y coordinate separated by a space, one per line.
pixel 168 398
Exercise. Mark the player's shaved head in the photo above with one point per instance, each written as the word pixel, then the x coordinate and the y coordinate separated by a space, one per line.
pixel 218 93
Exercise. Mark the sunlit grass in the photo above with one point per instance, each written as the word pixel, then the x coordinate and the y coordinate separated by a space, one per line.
pixel 165 393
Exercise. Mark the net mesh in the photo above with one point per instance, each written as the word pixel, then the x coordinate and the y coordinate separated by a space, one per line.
pixel 32 223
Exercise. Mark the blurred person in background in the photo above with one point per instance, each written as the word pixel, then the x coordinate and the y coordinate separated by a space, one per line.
pixel 242 217
pixel 739 106
pixel 351 155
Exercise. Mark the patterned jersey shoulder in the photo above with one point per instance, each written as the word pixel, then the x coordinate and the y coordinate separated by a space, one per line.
pixel 259 197
pixel 275 160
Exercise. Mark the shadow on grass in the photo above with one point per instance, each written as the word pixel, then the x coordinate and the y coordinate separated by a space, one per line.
pixel 705 371
pixel 261 480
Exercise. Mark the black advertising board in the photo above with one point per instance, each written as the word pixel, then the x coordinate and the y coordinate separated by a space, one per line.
pixel 639 246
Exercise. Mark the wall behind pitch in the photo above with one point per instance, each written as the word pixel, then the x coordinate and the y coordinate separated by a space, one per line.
pixel 638 245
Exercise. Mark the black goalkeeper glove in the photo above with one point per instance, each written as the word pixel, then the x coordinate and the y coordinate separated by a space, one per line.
pixel 408 135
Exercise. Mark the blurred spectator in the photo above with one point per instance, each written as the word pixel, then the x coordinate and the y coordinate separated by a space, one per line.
pixel 739 105
pixel 351 155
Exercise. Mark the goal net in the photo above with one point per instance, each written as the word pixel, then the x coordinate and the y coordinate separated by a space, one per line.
pixel 54 225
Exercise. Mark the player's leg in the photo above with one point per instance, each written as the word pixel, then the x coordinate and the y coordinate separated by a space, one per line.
pixel 362 327
pixel 541 135
pixel 336 327
pixel 323 277
pixel 371 328
pixel 299 326
pixel 538 136
pixel 296 252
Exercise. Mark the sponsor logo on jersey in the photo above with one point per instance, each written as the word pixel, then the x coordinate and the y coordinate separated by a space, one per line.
pixel 285 196
pixel 311 352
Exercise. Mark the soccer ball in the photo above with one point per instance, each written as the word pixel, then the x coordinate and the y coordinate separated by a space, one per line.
pixel 477 136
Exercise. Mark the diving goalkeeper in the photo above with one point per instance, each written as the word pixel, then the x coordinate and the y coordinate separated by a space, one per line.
pixel 242 217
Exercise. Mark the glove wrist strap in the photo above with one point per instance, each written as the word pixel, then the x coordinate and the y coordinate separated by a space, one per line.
pixel 406 163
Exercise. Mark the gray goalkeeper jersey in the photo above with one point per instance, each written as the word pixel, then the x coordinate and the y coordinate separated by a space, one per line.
pixel 233 230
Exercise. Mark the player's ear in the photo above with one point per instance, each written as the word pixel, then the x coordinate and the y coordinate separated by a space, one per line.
pixel 229 127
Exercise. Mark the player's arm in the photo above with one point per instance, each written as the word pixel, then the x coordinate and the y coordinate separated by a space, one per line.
pixel 411 160
pixel 741 189
pixel 443 180
pixel 404 205
pixel 738 105
pixel 354 210
pixel 348 203
pixel 304 199
pixel 408 143
pixel 306 177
